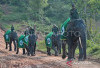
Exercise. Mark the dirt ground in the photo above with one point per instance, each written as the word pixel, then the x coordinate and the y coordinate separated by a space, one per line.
pixel 9 59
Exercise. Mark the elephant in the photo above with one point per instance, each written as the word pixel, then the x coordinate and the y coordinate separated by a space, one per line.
pixel 56 42
pixel 32 44
pixel 76 35
pixel 22 42
pixel 7 38
pixel 13 38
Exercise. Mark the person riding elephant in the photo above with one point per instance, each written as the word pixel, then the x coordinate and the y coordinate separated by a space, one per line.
pixel 31 30
pixel 26 32
pixel 73 13
pixel 32 42
pixel 13 38
pixel 55 29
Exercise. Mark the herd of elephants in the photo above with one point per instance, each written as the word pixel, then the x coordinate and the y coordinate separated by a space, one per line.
pixel 74 35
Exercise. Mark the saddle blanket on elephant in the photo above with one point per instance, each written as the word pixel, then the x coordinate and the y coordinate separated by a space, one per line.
pixel 6 36
pixel 48 40
pixel 21 41
pixel 63 29
pixel 26 41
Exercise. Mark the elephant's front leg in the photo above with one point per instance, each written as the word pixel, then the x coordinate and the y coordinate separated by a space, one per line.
pixel 17 50
pixel 6 45
pixel 74 48
pixel 64 49
pixel 48 51
pixel 70 49
pixel 15 42
pixel 81 51
pixel 32 51
pixel 59 46
pixel 56 52
pixel 34 48
pixel 10 47
pixel 82 48
pixel 23 51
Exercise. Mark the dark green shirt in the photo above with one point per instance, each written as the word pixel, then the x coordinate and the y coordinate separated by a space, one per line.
pixel 74 14
pixel 55 30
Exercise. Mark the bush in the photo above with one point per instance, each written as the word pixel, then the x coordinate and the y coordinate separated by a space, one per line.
pixel 14 17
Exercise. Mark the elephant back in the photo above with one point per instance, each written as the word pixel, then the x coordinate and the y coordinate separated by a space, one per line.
pixel 13 35
pixel 77 24
pixel 54 38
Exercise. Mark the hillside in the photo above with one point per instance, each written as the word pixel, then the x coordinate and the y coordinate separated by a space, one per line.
pixel 43 14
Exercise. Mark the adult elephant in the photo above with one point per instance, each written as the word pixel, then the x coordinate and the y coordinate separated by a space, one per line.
pixel 53 42
pixel 56 42
pixel 76 35
pixel 32 43
pixel 13 38
pixel 7 38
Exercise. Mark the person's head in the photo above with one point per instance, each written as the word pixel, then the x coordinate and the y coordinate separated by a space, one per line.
pixel 73 6
pixel 32 31
pixel 30 27
pixel 54 25
pixel 26 29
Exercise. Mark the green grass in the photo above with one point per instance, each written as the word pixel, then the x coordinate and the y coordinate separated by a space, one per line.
pixel 41 46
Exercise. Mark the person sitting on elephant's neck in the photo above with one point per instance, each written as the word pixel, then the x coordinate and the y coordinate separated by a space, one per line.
pixel 73 13
pixel 55 29
pixel 12 28
pixel 31 30
pixel 26 32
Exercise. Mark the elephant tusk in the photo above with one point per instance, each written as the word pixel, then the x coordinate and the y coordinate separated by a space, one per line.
pixel 80 42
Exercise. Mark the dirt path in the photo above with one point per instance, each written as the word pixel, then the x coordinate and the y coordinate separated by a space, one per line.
pixel 11 60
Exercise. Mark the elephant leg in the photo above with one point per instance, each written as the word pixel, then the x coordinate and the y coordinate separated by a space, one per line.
pixel 27 49
pixel 14 45
pixel 30 50
pixel 23 51
pixel 48 51
pixel 84 47
pixel 64 49
pixel 74 48
pixel 10 47
pixel 70 49
pixel 34 48
pixel 80 49
pixel 59 46
pixel 17 50
pixel 56 52
pixel 6 45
